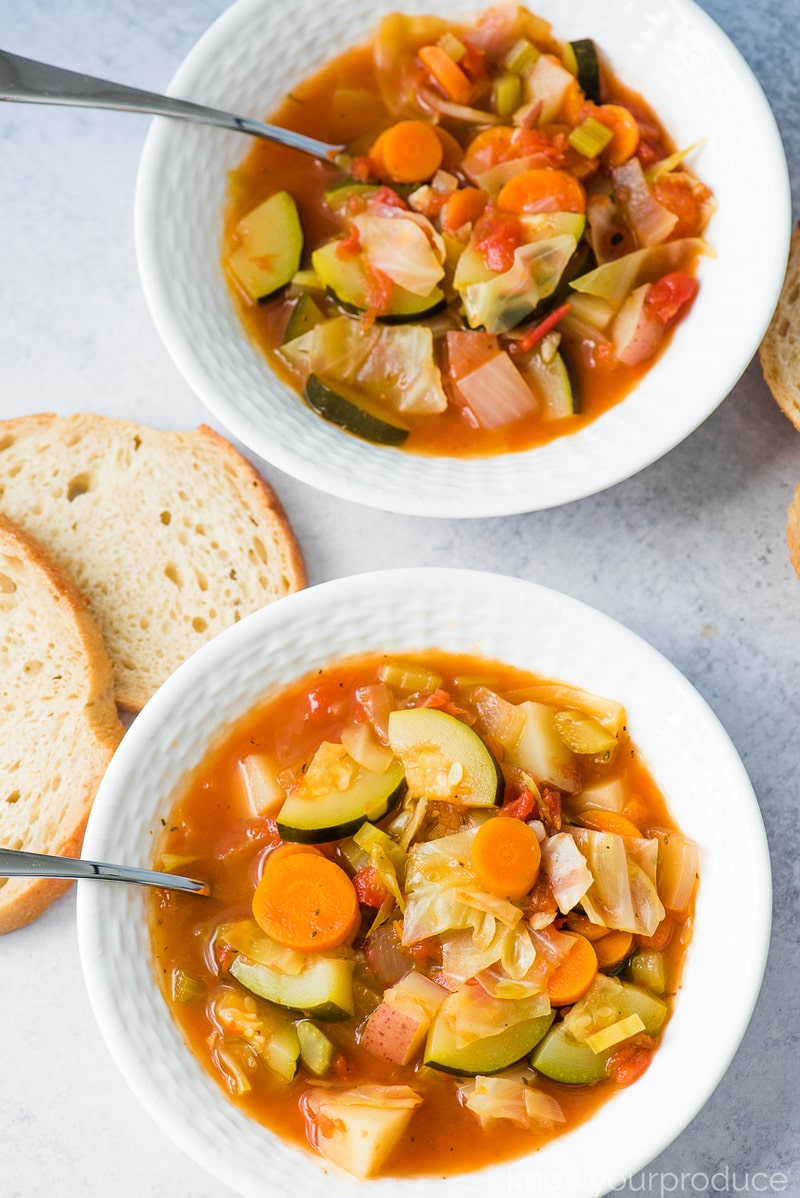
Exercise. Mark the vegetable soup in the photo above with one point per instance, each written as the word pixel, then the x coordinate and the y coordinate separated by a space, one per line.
pixel 449 912
pixel 502 252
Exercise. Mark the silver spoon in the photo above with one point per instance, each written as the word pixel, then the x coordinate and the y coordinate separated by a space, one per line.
pixel 30 82
pixel 16 864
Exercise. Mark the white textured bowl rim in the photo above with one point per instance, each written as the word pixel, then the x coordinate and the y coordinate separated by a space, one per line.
pixel 694 763
pixel 701 87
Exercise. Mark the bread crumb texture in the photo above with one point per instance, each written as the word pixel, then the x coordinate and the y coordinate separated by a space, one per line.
pixel 58 717
pixel 780 349
pixel 172 536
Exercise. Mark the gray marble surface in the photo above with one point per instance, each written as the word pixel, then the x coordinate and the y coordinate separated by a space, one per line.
pixel 691 554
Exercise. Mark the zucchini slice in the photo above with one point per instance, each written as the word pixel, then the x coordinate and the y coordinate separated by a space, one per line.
pixel 489 1054
pixel 320 810
pixel 352 416
pixel 305 316
pixel 587 67
pixel 553 386
pixel 345 279
pixel 444 759
pixel 323 988
pixel 270 246
pixel 563 1059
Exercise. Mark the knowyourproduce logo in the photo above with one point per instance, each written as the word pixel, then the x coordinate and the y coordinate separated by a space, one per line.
pixel 723 1182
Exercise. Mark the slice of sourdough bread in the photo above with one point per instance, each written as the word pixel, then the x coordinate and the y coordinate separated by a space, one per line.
pixel 172 536
pixel 58 718
pixel 780 348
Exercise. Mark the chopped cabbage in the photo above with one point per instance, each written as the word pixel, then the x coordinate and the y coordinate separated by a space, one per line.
pixel 623 894
pixel 514 1097
pixel 403 251
pixel 392 364
pixel 566 870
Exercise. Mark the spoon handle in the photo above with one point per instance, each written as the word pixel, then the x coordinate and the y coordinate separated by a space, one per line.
pixel 31 82
pixel 16 864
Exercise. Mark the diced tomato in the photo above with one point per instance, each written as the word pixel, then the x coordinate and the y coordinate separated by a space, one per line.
pixel 671 296
pixel 387 197
pixel 379 288
pixel 361 169
pixel 467 349
pixel 473 63
pixel 429 950
pixel 323 700
pixel 497 235
pixel 441 700
pixel 541 899
pixel 527 142
pixel 369 887
pixel 522 807
pixel 685 200
pixel 350 244
pixel 550 808
pixel 631 1060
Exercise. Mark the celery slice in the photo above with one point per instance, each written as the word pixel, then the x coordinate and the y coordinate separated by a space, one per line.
pixel 590 138
pixel 615 1033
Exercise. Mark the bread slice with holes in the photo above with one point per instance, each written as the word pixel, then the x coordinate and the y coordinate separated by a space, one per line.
pixel 58 719
pixel 780 348
pixel 172 536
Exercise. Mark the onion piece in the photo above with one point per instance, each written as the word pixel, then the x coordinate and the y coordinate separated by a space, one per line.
pixel 400 249
pixel 566 870
pixel 497 393
pixel 678 866
pixel 650 222
pixel 458 112
pixel 500 720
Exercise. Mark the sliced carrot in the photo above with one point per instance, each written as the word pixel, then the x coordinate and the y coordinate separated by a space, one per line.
pixel 581 924
pixel 448 74
pixel 306 902
pixel 574 975
pixel 613 949
pixel 505 856
pixel 290 848
pixel 462 207
pixel 489 147
pixel 408 152
pixel 543 189
pixel 452 153
pixel 660 938
pixel 623 124
pixel 610 821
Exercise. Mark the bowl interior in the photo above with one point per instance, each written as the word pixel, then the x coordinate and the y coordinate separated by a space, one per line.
pixel 688 752
pixel 673 54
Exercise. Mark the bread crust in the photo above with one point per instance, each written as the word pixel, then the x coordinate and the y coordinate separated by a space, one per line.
pixel 24 899
pixel 103 540
pixel 793 531
pixel 780 349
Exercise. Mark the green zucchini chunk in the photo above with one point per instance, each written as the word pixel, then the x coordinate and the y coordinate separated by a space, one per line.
pixel 563 1059
pixel 588 65
pixel 444 759
pixel 323 988
pixel 305 316
pixel 352 416
pixel 320 817
pixel 489 1054
pixel 345 279
pixel 270 246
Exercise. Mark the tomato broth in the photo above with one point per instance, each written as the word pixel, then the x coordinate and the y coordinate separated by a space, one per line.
pixel 346 102
pixel 214 832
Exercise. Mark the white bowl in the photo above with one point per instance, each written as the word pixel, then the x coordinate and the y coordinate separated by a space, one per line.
pixel 687 750
pixel 672 53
